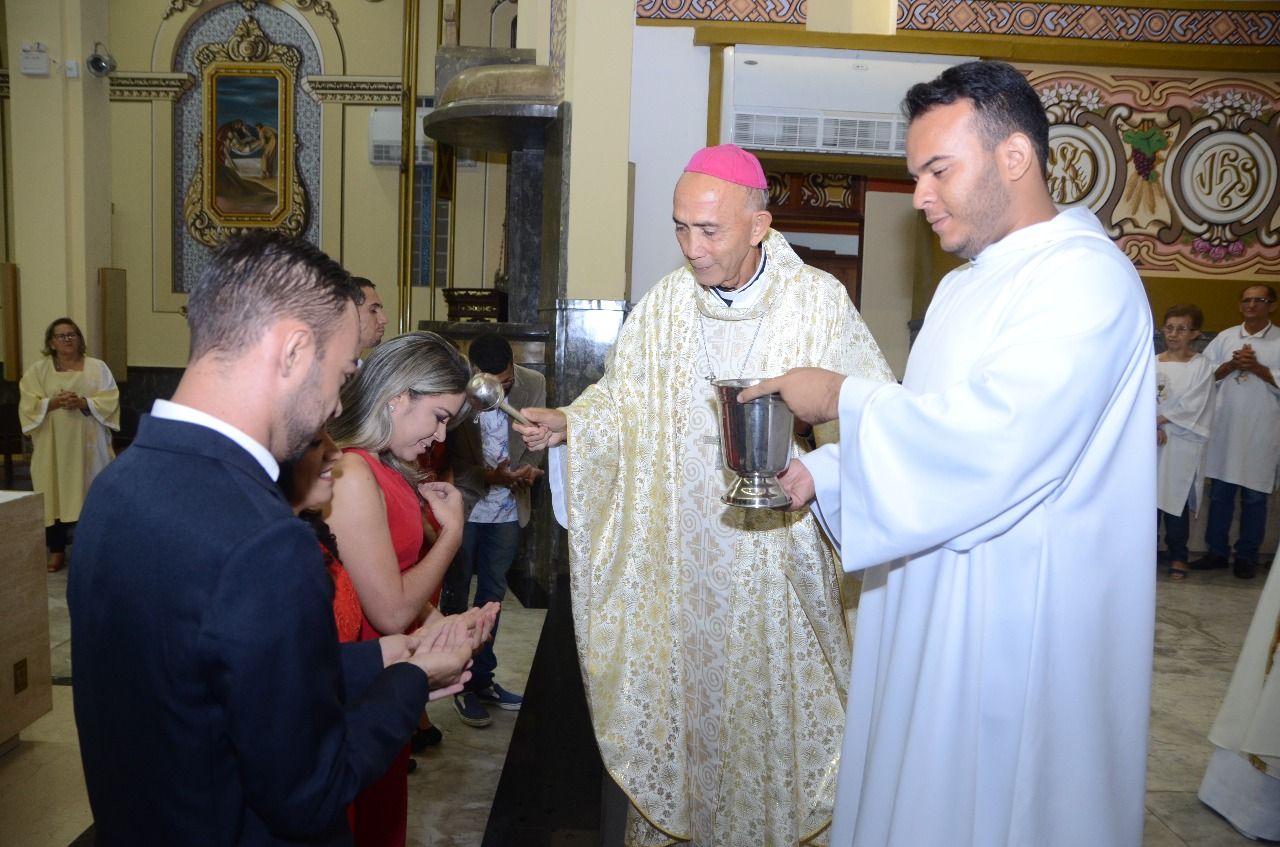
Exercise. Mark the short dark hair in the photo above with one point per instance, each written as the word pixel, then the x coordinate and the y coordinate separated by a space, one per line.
pixel 490 353
pixel 48 336
pixel 1003 102
pixel 363 282
pixel 1186 310
pixel 255 280
pixel 1271 292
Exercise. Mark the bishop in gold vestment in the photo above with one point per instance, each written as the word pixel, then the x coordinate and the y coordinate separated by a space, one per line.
pixel 712 639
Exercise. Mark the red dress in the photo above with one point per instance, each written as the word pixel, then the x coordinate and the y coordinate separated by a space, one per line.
pixel 346 605
pixel 380 813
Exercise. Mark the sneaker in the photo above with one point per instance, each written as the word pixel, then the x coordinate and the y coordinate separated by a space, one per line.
pixel 470 711
pixel 496 695
pixel 1209 562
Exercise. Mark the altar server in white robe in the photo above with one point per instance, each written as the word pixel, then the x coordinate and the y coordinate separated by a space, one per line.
pixel 1002 659
pixel 1242 781
pixel 1184 413
pixel 1244 451
pixel 712 639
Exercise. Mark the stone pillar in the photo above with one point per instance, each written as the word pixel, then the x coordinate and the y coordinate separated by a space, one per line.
pixel 524 233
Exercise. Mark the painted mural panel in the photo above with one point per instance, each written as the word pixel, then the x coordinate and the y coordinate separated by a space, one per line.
pixel 248 107
pixel 1182 170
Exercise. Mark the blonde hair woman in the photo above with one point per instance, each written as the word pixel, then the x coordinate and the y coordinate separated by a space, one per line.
pixel 392 412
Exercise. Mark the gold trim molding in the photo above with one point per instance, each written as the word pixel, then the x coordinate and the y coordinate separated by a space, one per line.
pixel 249 52
pixel 354 90
pixel 320 7
pixel 148 86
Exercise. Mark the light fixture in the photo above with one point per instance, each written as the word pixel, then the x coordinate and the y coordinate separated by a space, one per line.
pixel 100 62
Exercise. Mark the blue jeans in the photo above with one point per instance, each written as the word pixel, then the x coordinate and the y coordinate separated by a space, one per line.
pixel 1253 519
pixel 488 551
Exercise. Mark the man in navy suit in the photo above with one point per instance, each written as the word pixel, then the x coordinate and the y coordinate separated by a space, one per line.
pixel 213 703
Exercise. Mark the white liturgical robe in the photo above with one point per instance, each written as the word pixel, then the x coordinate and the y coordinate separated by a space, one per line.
pixel 1184 395
pixel 70 447
pixel 1002 658
pixel 1245 446
pixel 1242 781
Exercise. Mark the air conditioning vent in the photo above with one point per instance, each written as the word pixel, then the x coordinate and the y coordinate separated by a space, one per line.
pixel 782 132
pixel 821 101
pixel 384 138
pixel 388 153
pixel 871 135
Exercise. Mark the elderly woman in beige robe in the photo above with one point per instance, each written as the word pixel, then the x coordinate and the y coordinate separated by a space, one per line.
pixel 68 403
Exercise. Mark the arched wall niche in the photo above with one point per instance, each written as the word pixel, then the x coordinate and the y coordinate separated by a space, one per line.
pixel 322 29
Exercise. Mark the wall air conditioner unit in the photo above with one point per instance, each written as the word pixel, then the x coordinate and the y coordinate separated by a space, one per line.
pixel 384 138
pixel 821 101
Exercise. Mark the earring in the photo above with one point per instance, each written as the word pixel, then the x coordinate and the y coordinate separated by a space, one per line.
pixel 391 407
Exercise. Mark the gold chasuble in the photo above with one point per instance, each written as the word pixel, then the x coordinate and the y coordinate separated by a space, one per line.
pixel 712 639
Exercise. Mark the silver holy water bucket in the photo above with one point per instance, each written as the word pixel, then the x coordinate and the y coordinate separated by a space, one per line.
pixel 755 443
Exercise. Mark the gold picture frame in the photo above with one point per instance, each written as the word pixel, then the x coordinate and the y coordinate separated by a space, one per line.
pixel 246 174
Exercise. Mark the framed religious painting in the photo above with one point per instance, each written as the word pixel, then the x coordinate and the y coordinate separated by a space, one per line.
pixel 246 174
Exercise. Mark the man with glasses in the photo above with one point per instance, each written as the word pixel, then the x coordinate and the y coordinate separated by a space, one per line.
pixel 1244 448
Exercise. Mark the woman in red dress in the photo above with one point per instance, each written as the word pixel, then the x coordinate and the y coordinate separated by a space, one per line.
pixel 397 406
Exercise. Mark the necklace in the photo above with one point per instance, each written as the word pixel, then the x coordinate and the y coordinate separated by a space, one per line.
pixel 706 350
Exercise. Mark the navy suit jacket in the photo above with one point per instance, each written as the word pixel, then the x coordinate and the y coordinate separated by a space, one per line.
pixel 213 702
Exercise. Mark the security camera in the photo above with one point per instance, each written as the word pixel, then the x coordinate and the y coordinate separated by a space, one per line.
pixel 100 62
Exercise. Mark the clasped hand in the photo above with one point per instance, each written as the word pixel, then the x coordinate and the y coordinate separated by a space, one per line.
pixel 443 647
pixel 67 400
pixel 1244 359
pixel 521 478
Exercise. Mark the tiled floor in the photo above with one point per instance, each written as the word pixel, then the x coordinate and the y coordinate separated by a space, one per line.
pixel 1200 626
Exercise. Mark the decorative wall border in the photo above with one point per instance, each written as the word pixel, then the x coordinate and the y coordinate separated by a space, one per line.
pixel 1092 22
pixel 1210 27
pixel 354 90
pixel 320 7
pixel 148 86
pixel 725 11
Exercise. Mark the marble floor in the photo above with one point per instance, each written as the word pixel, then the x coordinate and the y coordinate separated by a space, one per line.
pixel 1200 626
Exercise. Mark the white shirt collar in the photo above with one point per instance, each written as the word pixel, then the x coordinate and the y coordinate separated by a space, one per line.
pixel 168 410
pixel 1262 333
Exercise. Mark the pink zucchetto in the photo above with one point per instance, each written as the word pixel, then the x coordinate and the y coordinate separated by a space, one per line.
pixel 730 163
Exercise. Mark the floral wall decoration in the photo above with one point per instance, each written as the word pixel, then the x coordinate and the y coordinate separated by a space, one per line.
pixel 1181 170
